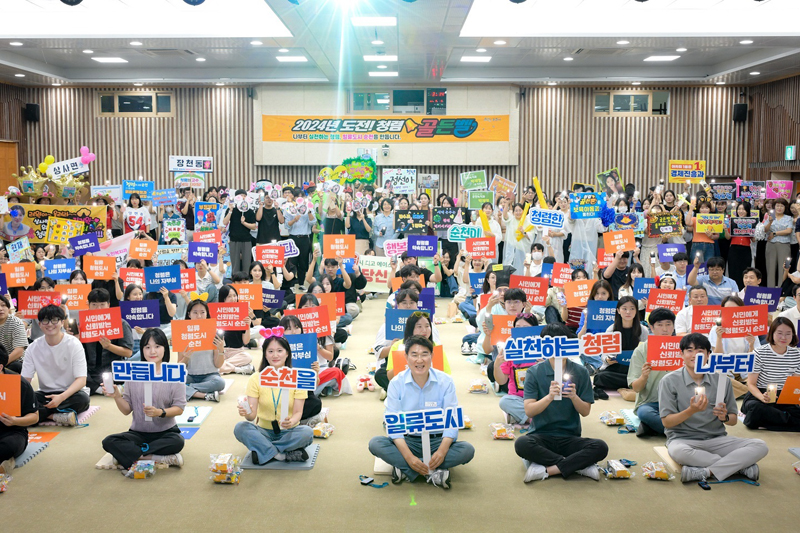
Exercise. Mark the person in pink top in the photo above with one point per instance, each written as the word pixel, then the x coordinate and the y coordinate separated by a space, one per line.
pixel 514 374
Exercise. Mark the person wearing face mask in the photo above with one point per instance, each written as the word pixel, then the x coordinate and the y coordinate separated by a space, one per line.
pixel 167 213
pixel 534 267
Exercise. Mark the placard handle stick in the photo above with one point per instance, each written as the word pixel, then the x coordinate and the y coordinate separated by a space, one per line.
pixel 285 407
pixel 559 371
pixel 426 447
pixel 722 387
pixel 148 398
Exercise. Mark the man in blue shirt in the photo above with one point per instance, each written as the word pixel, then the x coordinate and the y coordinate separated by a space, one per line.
pixel 717 284
pixel 417 388
pixel 554 445
pixel 300 226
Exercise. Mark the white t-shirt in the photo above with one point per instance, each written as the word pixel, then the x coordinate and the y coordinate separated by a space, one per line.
pixel 683 321
pixel 57 367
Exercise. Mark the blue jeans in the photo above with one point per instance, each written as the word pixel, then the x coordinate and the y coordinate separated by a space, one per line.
pixel 514 406
pixel 467 307
pixel 592 360
pixel 266 443
pixel 648 415
pixel 706 247
pixel 345 320
pixel 203 383
pixel 460 453
pixel 470 338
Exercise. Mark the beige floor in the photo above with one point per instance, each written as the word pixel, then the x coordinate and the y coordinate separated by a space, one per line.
pixel 60 489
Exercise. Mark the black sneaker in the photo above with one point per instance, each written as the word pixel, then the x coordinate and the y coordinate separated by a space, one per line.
pixel 600 394
pixel 297 456
pixel 254 458
pixel 644 430
pixel 398 476
pixel 590 369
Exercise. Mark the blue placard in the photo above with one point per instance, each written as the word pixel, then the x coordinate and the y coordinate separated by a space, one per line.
pixel 304 349
pixel 162 276
pixel 431 420
pixel 348 263
pixel 531 331
pixel 531 348
pixel 199 251
pixel 666 251
pixel 143 188
pixel 84 244
pixel 547 271
pixel 586 204
pixel 428 290
pixel 144 371
pixel 600 314
pixel 548 218
pixel 770 296
pixel 624 358
pixel 3 284
pixel 476 281
pixel 273 299
pixel 703 270
pixel 59 268
pixel 188 432
pixel 165 197
pixel 143 313
pixel 169 253
pixel 643 286
pixel 396 322
pixel 737 363
pixel 427 302
pixel 422 245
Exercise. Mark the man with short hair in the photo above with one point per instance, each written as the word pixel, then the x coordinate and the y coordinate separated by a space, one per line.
pixel 102 353
pixel 300 230
pixel 696 436
pixel 683 322
pixel 417 388
pixel 681 262
pixel 241 240
pixel 427 275
pixel 13 429
pixel 792 313
pixel 13 336
pixel 717 284
pixel 616 273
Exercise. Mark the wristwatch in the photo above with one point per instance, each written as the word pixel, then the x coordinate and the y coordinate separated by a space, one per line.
pixel 163 413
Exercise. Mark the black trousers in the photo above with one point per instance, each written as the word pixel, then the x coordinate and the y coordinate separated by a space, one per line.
pixel 771 416
pixel 739 258
pixel 128 447
pixel 311 407
pixel 78 402
pixel 381 378
pixel 302 261
pixel 12 445
pixel 761 260
pixel 614 377
pixel 568 453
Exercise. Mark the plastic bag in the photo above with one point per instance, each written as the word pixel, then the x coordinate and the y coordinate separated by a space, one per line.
pixel 478 386
pixel 616 470
pixel 323 430
pixel 502 432
pixel 225 468
pixel 658 471
pixel 612 418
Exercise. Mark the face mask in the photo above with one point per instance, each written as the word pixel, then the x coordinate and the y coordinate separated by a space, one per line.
pixel 621 209
pixel 536 256
pixel 169 209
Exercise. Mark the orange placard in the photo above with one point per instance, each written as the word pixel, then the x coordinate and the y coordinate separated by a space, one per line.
pixel 77 295
pixel 207 236
pixel 142 249
pixel 188 280
pixel 672 300
pixel 334 301
pixel 343 246
pixel 664 353
pixel 577 292
pixel 314 320
pixel 501 327
pixel 251 293
pixel 400 363
pixel 230 316
pixel 562 274
pixel 42 437
pixel 19 274
pixel 270 254
pixel 194 334
pixel 482 247
pixel 10 394
pixel 742 321
pixel 704 318
pixel 619 241
pixel 603 259
pixel 790 395
pixel 98 323
pixel 29 302
pixel 397 281
pixel 99 267
pixel 535 289
pixel 133 276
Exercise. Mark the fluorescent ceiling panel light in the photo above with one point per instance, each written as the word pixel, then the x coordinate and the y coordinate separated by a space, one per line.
pixel 19 75
pixel 283 50
pixel 481 50
pixel 500 43
pixel 746 41
pixel 476 59
pixel 382 66
pixel 138 84
pixel 136 43
pixel 551 83
pixel 380 58
pixel 373 21
pixel 375 74
pixel 109 60
pixel 256 43
pixel 680 49
pixel 200 59
pixel 292 59
pixel 636 83
pixel 377 42
pixel 88 51
pixel 662 58
pixel 16 43
pixel 56 85
pixel 755 73
pixel 569 59
pixel 720 83
pixel 623 42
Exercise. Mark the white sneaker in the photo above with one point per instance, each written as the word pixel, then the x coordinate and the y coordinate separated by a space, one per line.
pixel 534 472
pixel 465 348
pixel 473 348
pixel 751 472
pixel 212 396
pixel 382 395
pixel 66 419
pixel 244 369
pixel 440 478
pixel 175 459
pixel 591 471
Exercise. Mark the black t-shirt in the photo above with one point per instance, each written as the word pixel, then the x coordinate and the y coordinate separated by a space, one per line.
pixel 629 340
pixel 268 227
pixel 108 284
pixel 28 402
pixel 356 283
pixel 617 279
pixel 238 232
pixel 233 339
pixel 189 216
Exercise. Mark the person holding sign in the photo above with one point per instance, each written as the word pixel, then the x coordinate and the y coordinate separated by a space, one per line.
pixel 514 302
pixel 239 226
pixel 277 435
pixel 775 362
pixel 101 354
pixel 716 283
pixel 779 225
pixel 513 374
pixel 554 445
pixel 703 242
pixel 636 271
pixel 417 388
pixel 617 272
pixel 683 321
pixel 746 344
pixel 383 228
pixel 740 254
pixel 613 375
pixel 13 337
pixel 61 379
pixel 418 325
pixel 158 439
pixel 202 367
pixel 237 359
pixel 517 240
pixel 135 216
pixel 601 292
pixel 14 424
pixel 696 436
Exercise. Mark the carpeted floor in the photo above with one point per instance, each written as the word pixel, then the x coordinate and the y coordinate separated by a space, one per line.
pixel 61 490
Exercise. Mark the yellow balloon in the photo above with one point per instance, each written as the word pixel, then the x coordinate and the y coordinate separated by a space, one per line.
pixel 49 160
pixel 43 167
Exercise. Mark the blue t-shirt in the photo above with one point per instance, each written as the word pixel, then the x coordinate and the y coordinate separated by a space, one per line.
pixel 560 417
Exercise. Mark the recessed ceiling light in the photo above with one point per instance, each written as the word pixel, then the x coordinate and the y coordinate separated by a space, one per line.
pixel 382 66
pixel 219 83
pixel 283 50
pixel 256 43
pixel 382 100
pixel 499 43
pixel 56 85
pixel 292 59
pixel 680 49
pixel 200 59
pixel 138 84
pixel 382 74
pixel 136 43
pixel 377 42
pixel 623 42
pixel 88 51
pixel 380 58
pixel 569 59
pixel 720 83
pixel 373 21
pixel 19 75
pixel 662 58
pixel 755 73
pixel 476 59
pixel 636 83
pixel 552 83
pixel 109 60
pixel 481 50
pixel 746 41
pixel 15 43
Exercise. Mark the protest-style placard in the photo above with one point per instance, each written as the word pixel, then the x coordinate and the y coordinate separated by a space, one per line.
pixel 334 301
pixel 713 221
pixel 270 254
pixel 411 222
pixel 473 180
pixel 165 197
pixel 619 241
pixel 272 299
pixel 600 314
pixel 743 321
pixel 400 361
pixel 10 394
pixel 143 188
pixel 604 259
pixel 577 292
pixel 666 251
pixel 422 245
pixel 99 267
pixel 174 228
pixel 304 349
pixel 162 276
pixel 586 204
pixel 560 275
pixel 704 318
pixel 193 334
pixel 203 251
pixel 19 274
pixel 501 186
pixel 314 319
pixel 501 327
pixel 535 289
pixel 29 302
pixel 476 282
pixel 476 198
pixel 643 286
pixel 98 323
pixel 664 225
pixel 396 322
pixel 484 247
pixel 790 394
pixel 213 235
pixel 143 313
pixel 58 269
pixel 132 276
pixel 251 293
pixel 672 300
pixel 143 249
pixel 444 217
pixel 769 296
pixel 230 316
pixel 77 295
pixel 686 171
pixel 334 246
pixel 664 353
pixel 743 226
pixel 376 270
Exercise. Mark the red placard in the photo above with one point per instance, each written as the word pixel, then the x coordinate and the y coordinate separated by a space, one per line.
pixel 619 241
pixel 251 293
pixel 562 274
pixel 704 318
pixel 188 280
pixel 484 247
pixel 19 274
pixel 29 302
pixel 791 391
pixel 603 259
pixel 343 246
pixel 501 327
pixel 99 267
pixel 672 300
pixel 334 301
pixel 101 323
pixel 207 236
pixel 664 353
pixel 133 276
pixel 270 254
pixel 143 249
pixel 483 299
pixel 742 321
pixel 577 292
pixel 77 295
pixel 230 316
pixel 314 320
pixel 194 334
pixel 534 288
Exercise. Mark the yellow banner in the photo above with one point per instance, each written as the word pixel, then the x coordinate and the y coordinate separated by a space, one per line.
pixel 715 221
pixel 365 128
pixel 31 220
pixel 681 171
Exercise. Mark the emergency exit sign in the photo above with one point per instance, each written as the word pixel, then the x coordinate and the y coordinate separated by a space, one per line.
pixel 791 153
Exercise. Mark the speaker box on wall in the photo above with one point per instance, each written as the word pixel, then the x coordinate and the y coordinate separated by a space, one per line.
pixel 740 112
pixel 31 112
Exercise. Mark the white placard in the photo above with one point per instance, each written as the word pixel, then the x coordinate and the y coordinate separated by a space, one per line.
pixel 403 180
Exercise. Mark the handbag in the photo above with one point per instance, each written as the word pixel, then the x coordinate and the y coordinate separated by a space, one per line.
pixel 343 364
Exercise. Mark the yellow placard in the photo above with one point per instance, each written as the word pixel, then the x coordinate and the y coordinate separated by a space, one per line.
pixel 360 129
pixel 60 230
pixel 682 171
pixel 32 220
pixel 715 221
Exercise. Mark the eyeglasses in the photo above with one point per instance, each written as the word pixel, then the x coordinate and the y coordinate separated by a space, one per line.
pixel 419 314
pixel 47 322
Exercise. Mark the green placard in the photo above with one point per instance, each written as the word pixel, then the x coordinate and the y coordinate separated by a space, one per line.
pixel 477 198
pixel 474 180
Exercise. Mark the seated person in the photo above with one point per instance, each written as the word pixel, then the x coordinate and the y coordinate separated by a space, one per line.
pixel 644 380
pixel 515 301
pixel 417 388
pixel 202 367
pixel 775 361
pixel 342 282
pixel 100 354
pixel 408 260
pixel 61 379
pixel 614 375
pixel 792 313
pixel 716 283
pixel 751 277
pixel 407 273
pixel 418 325
pixel 746 344
pixel 14 429
pixel 698 295
pixel 554 445
pixel 513 375
pixel 161 437
pixel 696 436
pixel 12 335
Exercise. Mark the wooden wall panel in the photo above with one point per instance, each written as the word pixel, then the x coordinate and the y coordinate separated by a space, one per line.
pixel 12 123
pixel 774 123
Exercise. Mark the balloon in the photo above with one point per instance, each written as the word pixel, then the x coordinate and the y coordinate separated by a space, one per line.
pixel 91 157
pixel 43 167
pixel 85 160
pixel 84 150
pixel 49 160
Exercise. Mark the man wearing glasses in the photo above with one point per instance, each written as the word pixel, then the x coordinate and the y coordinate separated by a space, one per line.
pixel 58 361
pixel 421 387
